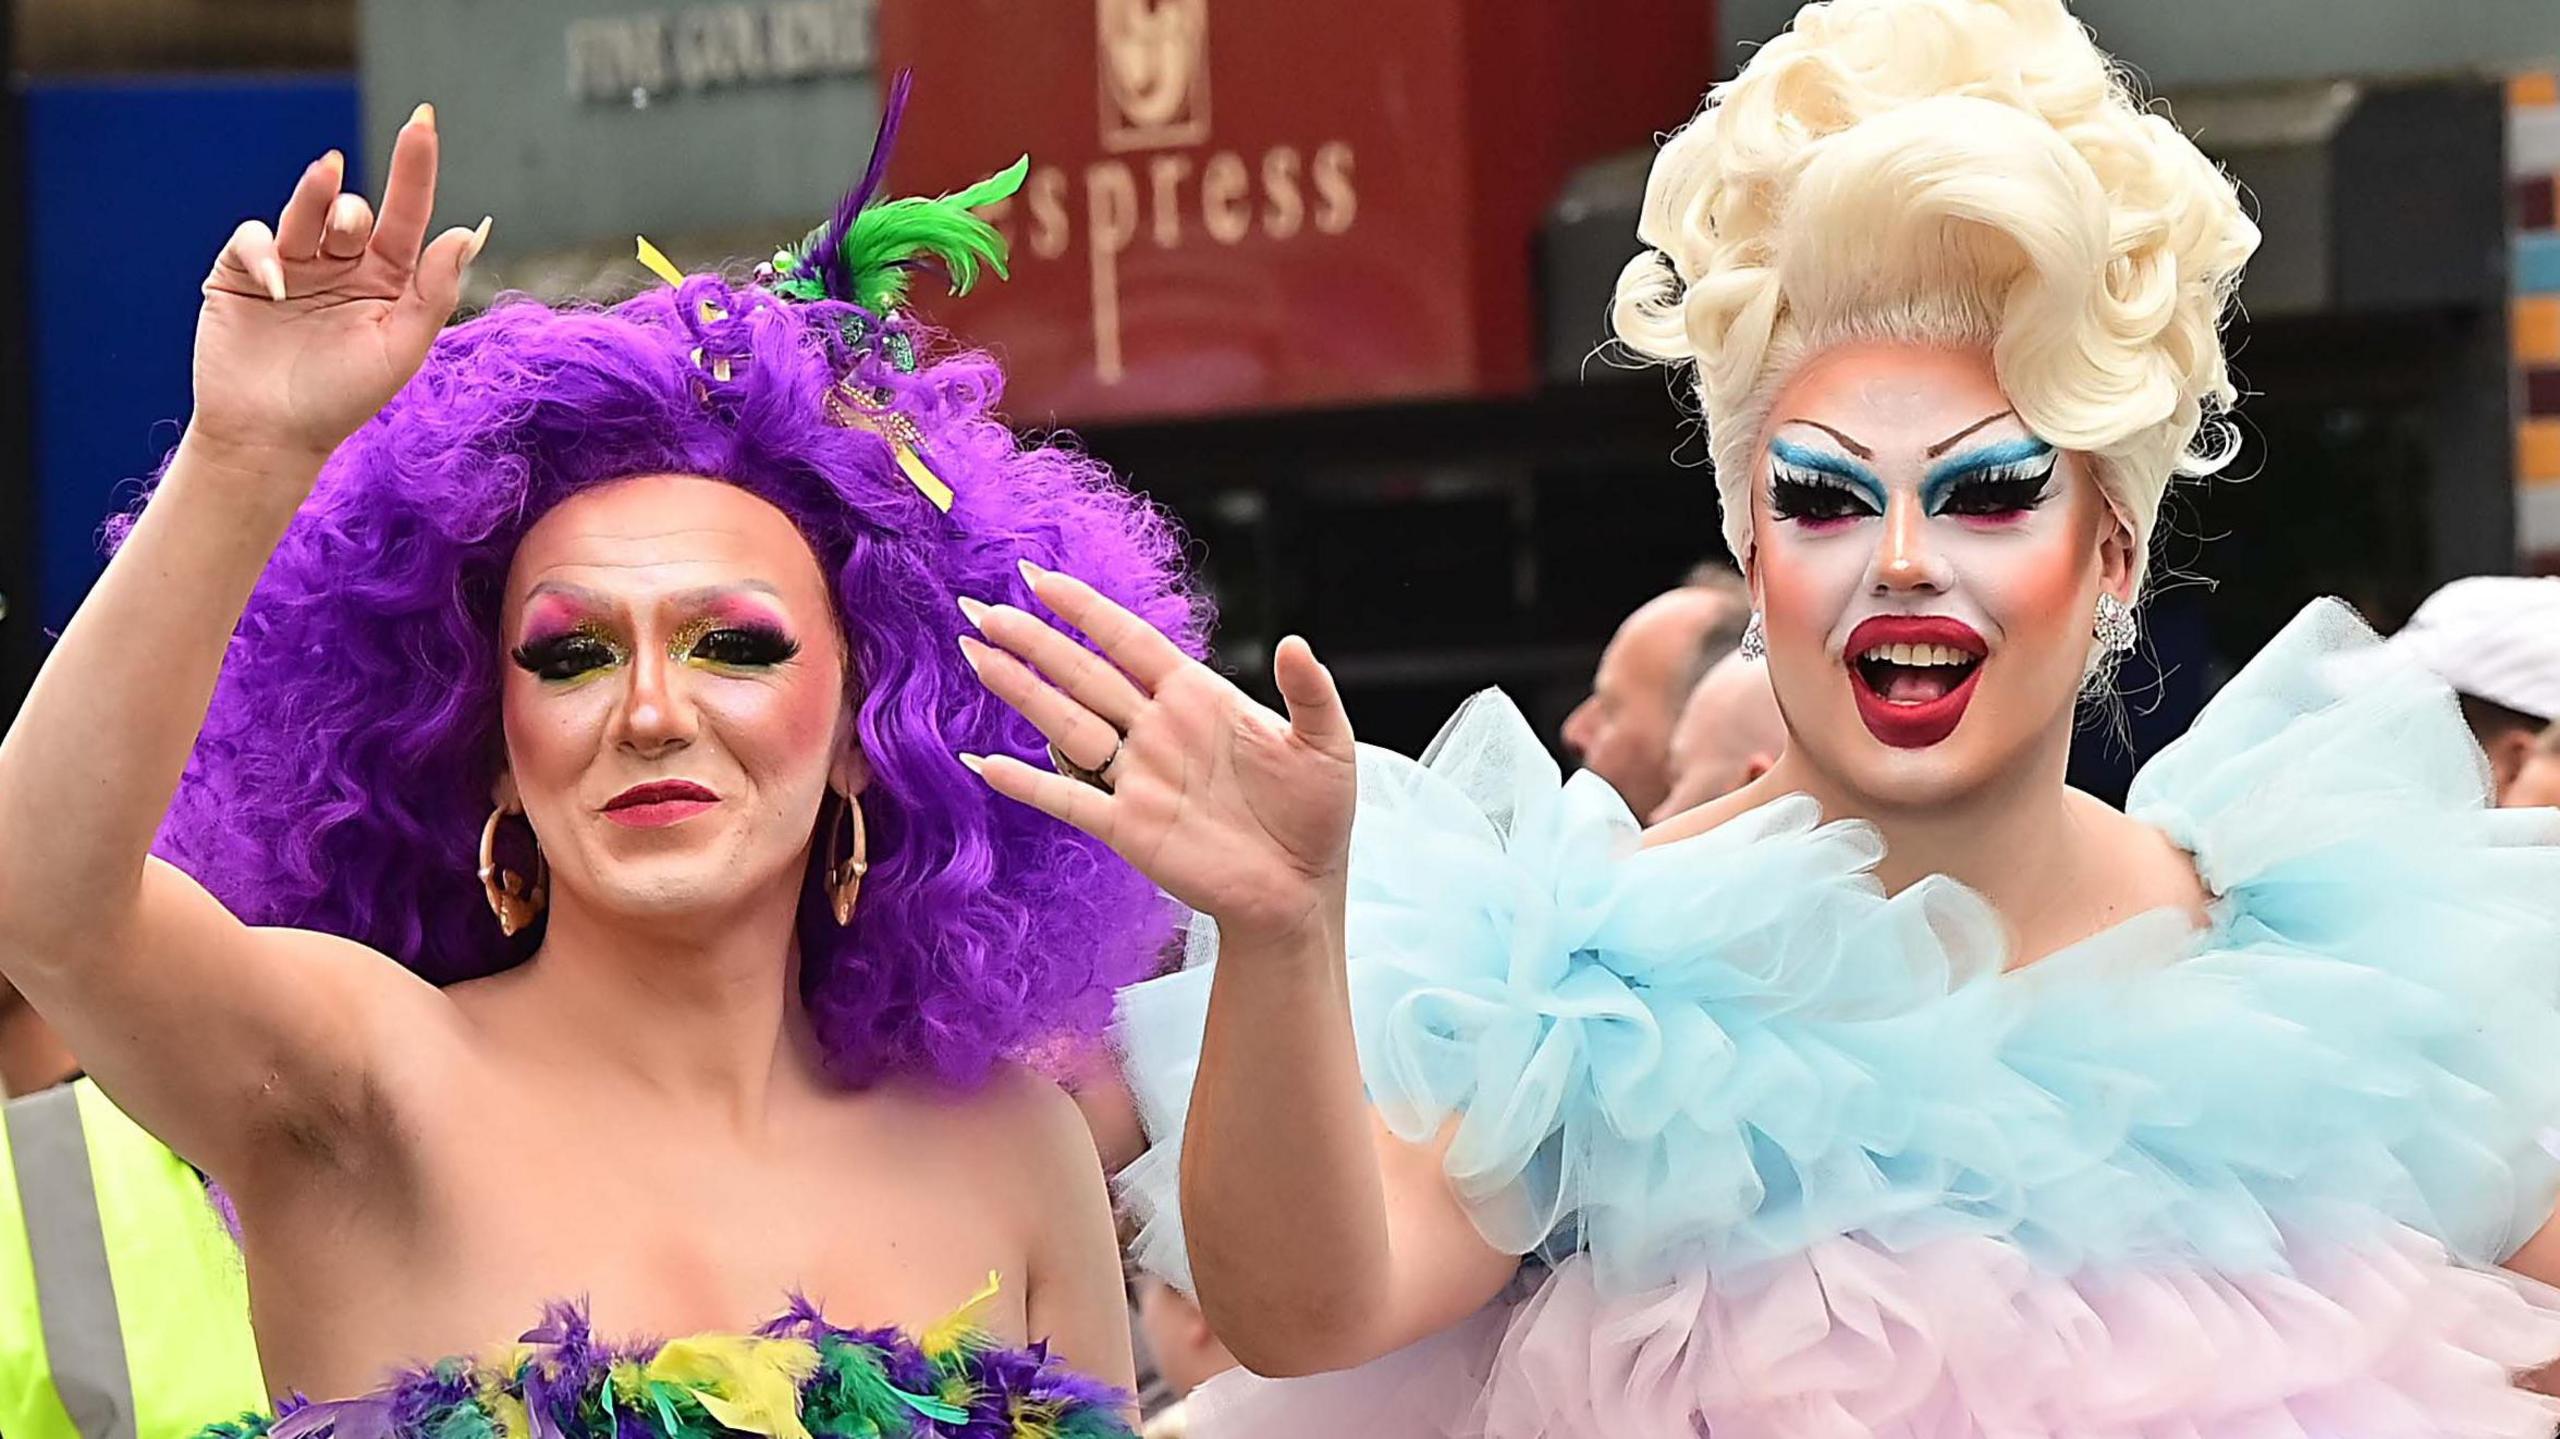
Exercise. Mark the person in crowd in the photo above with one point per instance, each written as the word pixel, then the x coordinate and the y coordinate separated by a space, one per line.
pixel 1176 1337
pixel 1622 731
pixel 566 892
pixel 2537 781
pixel 124 1309
pixel 1729 733
pixel 1905 1090
pixel 2495 639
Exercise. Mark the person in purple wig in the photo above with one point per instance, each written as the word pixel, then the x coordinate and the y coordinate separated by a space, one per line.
pixel 597 667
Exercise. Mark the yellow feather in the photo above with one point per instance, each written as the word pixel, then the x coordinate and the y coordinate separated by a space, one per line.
pixel 959 1328
pixel 750 1385
pixel 514 1420
pixel 1036 1419
pixel 627 1380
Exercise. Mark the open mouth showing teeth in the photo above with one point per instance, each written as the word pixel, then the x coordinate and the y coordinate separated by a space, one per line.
pixel 1915 674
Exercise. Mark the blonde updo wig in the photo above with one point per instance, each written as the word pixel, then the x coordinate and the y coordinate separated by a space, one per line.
pixel 1953 172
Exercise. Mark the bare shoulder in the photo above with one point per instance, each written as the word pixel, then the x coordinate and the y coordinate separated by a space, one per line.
pixel 2149 868
pixel 1016 1117
pixel 1714 813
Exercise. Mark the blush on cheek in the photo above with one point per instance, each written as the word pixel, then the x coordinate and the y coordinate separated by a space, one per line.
pixel 2032 583
pixel 1807 583
pixel 788 723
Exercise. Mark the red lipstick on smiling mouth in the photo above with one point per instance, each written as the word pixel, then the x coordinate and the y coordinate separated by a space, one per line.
pixel 1913 675
pixel 659 803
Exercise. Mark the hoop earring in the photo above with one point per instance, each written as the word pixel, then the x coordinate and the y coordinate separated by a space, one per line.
pixel 515 902
pixel 1755 639
pixel 2116 630
pixel 844 879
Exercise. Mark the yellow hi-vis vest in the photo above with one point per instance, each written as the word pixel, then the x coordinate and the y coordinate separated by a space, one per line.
pixel 124 1313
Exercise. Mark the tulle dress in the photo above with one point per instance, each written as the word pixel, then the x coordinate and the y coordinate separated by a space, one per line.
pixel 1791 1157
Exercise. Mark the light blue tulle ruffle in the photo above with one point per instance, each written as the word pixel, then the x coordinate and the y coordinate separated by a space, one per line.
pixel 1728 1048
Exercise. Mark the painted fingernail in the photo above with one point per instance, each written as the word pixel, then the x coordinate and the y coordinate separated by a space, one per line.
pixel 425 115
pixel 969 652
pixel 1032 574
pixel 974 612
pixel 271 271
pixel 343 211
pixel 976 765
pixel 479 237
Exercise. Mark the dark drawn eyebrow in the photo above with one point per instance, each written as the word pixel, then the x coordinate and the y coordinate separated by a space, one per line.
pixel 1942 446
pixel 1852 446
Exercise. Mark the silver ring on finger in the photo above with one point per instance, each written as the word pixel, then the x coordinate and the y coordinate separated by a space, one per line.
pixel 1099 776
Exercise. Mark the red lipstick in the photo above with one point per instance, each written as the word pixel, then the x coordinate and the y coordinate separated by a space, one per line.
pixel 1909 723
pixel 659 803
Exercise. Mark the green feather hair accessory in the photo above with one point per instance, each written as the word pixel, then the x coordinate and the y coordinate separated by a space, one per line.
pixel 865 256
pixel 867 252
pixel 876 256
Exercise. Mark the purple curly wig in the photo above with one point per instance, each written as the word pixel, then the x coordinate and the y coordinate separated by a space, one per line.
pixel 344 769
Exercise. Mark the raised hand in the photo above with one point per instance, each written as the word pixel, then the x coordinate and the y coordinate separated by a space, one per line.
pixel 1232 809
pixel 309 328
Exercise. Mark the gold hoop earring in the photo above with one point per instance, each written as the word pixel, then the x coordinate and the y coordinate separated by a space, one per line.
pixel 515 902
pixel 844 878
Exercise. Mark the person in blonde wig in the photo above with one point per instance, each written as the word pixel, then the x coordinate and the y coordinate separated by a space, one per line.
pixel 1905 1090
pixel 1968 173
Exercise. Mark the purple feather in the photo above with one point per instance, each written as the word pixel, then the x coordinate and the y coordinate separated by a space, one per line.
pixel 826 253
pixel 368 1418
pixel 562 1385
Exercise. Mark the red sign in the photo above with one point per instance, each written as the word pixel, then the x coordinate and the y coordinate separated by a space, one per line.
pixel 1273 204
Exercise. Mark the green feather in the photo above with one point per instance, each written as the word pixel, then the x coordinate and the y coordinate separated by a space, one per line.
pixel 852 1390
pixel 885 238
pixel 466 1420
pixel 676 1408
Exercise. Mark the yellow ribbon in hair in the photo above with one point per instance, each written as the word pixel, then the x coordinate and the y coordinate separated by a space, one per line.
pixel 748 1384
pixel 658 263
pixel 921 476
pixel 845 407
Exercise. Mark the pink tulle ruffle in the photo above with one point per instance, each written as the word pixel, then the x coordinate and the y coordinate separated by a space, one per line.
pixel 1964 1337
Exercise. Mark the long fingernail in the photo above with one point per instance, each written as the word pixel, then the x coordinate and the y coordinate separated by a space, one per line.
pixel 479 237
pixel 974 612
pixel 425 115
pixel 1032 574
pixel 969 652
pixel 976 765
pixel 271 270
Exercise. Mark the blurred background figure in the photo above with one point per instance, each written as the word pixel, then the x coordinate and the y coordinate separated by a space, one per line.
pixel 1622 732
pixel 1185 1354
pixel 2539 781
pixel 124 1311
pixel 2496 640
pixel 1728 734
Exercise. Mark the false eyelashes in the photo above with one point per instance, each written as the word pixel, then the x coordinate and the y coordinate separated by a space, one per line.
pixel 725 644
